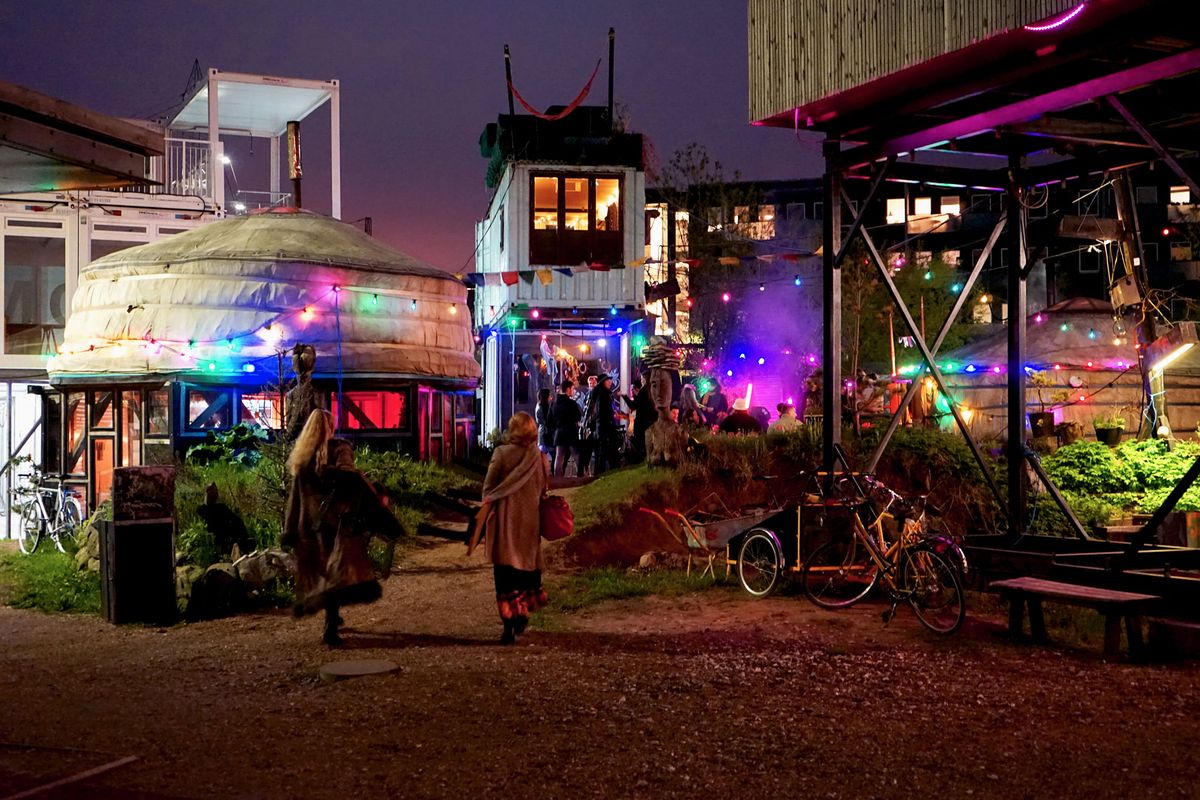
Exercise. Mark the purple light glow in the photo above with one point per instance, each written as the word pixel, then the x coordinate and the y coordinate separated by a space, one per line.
pixel 1059 21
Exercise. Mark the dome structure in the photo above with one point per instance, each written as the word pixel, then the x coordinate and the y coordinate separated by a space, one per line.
pixel 226 298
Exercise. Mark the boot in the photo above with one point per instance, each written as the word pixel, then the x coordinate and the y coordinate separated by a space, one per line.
pixel 330 637
pixel 509 636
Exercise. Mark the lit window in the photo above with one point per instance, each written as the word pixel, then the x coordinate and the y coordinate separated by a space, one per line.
pixel 545 204
pixel 1180 195
pixel 261 409
pixel 207 409
pixel 608 204
pixel 576 216
pixel 923 206
pixel 741 214
pixel 950 204
pixel 895 211
pixel 766 213
pixel 371 410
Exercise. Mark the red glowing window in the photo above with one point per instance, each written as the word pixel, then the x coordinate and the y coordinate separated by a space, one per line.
pixel 371 410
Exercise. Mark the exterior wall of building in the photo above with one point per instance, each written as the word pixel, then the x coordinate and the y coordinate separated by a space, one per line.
pixel 803 50
pixel 63 232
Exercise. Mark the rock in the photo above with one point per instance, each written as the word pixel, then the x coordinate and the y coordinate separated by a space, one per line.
pixel 216 593
pixel 89 550
pixel 81 559
pixel 93 565
pixel 661 560
pixel 259 569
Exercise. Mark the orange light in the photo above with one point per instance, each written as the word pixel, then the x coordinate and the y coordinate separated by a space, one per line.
pixel 306 314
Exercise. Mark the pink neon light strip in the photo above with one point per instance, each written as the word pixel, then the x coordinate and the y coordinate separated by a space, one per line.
pixel 1060 21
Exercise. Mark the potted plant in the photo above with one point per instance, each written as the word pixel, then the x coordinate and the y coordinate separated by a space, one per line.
pixel 1109 428
pixel 1041 422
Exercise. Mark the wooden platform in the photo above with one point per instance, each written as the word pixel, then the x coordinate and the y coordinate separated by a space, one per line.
pixel 1022 592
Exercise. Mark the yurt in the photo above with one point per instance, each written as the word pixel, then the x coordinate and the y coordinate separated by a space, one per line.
pixel 1081 363
pixel 170 340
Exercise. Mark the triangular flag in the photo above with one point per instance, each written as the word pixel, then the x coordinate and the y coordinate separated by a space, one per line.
pixel 545 276
pixel 729 261
pixel 493 279
pixel 598 267
pixel 526 276
pixel 509 278
pixel 769 258
pixel 565 271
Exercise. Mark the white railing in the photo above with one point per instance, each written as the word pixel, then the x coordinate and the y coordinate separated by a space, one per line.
pixel 246 201
pixel 187 168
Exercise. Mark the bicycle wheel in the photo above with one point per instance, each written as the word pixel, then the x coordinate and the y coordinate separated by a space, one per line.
pixel 839 574
pixel 69 521
pixel 759 563
pixel 935 592
pixel 30 528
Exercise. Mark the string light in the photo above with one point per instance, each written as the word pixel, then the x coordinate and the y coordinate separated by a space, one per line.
pixel 413 305
pixel 797 281
pixel 724 297
pixel 612 310
pixel 453 309
pixel 306 314
pixel 535 314
pixel 762 287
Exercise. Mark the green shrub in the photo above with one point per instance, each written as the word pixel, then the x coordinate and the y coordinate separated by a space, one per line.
pixel 1090 468
pixel 239 445
pixel 196 545
pixel 1153 498
pixel 49 581
pixel 1091 512
pixel 406 479
pixel 1154 464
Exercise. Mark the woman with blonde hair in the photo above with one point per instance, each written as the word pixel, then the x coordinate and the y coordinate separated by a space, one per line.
pixel 332 510
pixel 510 522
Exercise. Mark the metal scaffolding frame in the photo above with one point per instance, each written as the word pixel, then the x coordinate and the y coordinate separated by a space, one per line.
pixel 1083 126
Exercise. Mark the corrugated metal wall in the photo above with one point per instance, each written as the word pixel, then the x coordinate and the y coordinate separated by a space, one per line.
pixel 803 50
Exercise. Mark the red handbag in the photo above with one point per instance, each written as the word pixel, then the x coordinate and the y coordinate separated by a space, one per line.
pixel 558 521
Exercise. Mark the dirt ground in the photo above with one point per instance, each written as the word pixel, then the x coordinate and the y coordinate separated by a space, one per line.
pixel 712 695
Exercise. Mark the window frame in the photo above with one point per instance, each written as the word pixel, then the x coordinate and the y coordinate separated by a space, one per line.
pixel 610 245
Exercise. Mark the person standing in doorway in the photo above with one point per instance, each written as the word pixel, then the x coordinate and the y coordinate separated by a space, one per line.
pixel 587 444
pixel 541 415
pixel 563 419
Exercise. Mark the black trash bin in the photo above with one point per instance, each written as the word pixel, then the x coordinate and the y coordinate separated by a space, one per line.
pixel 137 550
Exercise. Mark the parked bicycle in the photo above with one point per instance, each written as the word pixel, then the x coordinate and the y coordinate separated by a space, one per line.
pixel 925 572
pixel 46 507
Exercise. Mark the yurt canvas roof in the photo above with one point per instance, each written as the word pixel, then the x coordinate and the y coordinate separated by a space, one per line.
pixel 1089 337
pixel 225 297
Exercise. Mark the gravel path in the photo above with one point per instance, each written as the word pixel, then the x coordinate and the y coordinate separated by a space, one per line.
pixel 712 695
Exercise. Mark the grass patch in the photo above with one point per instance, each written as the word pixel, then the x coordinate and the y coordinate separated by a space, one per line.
pixel 578 592
pixel 48 581
pixel 608 500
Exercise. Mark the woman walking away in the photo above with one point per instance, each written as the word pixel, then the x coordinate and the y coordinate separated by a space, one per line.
pixel 511 522
pixel 332 510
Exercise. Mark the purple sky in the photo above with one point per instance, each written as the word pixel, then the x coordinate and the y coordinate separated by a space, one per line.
pixel 419 82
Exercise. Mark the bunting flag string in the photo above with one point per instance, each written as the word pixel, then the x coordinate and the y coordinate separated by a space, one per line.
pixel 545 275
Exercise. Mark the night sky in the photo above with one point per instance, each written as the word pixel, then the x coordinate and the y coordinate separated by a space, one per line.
pixel 419 82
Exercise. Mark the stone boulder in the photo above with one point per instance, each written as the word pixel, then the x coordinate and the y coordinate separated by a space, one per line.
pixel 88 555
pixel 258 569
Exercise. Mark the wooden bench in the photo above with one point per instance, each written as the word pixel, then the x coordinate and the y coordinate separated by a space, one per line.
pixel 1109 602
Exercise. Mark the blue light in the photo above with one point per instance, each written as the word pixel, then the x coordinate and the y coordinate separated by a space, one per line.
pixel 741 355
pixel 728 373
pixel 797 281
pixel 620 331
pixel 612 310
pixel 969 368
pixel 956 288
pixel 413 305
pixel 761 361
pixel 247 368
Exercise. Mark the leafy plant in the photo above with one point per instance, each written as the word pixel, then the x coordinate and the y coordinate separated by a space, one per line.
pixel 238 445
pixel 1155 464
pixel 1041 381
pixel 1108 421
pixel 1090 468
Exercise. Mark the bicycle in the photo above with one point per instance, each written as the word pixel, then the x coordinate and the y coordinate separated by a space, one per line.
pixel 46 509
pixel 840 573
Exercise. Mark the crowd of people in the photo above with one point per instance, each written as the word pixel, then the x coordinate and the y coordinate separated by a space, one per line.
pixel 582 424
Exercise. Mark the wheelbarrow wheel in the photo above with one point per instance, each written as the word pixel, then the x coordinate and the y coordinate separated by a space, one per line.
pixel 759 563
